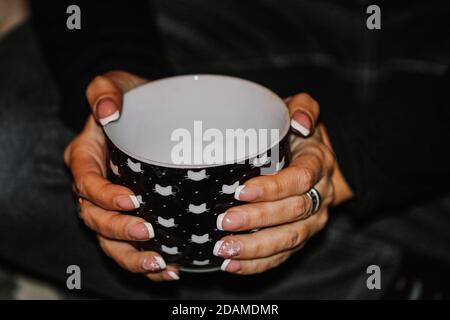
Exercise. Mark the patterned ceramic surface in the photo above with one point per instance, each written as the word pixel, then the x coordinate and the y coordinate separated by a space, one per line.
pixel 183 204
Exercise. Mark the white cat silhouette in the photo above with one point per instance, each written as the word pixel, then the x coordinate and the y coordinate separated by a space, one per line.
pixel 229 189
pixel 135 167
pixel 164 191
pixel 200 263
pixel 139 199
pixel 197 175
pixel 168 223
pixel 200 239
pixel 198 209
pixel 114 168
pixel 170 250
pixel 259 162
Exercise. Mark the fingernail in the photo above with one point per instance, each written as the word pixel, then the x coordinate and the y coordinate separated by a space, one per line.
pixel 155 263
pixel 230 265
pixel 141 231
pixel 170 275
pixel 106 110
pixel 227 249
pixel 127 202
pixel 301 122
pixel 247 193
pixel 231 220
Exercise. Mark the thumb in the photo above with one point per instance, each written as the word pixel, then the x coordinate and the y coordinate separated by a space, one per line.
pixel 304 112
pixel 105 94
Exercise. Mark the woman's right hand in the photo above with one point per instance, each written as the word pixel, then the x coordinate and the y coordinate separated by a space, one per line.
pixel 100 200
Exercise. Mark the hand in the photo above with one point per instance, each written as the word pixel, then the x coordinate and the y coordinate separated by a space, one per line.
pixel 100 200
pixel 279 204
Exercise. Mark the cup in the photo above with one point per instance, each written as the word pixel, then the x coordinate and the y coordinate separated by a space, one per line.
pixel 172 146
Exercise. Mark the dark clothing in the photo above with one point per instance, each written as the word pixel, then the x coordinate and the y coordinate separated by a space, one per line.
pixel 311 46
pixel 382 92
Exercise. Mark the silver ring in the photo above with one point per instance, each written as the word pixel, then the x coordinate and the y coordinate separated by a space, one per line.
pixel 316 199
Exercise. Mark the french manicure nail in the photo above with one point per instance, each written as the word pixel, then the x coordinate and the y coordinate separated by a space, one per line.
pixel 127 202
pixel 230 265
pixel 247 193
pixel 170 275
pixel 227 249
pixel 173 275
pixel 106 110
pixel 113 117
pixel 141 231
pixel 301 122
pixel 231 220
pixel 155 263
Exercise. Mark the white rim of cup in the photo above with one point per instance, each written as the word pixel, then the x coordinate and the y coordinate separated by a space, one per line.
pixel 196 166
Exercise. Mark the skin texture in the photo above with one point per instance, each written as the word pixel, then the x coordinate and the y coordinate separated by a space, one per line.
pixel 277 204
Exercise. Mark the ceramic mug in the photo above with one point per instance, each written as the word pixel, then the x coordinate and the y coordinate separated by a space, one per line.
pixel 173 148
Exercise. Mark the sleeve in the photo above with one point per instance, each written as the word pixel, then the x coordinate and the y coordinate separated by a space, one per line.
pixel 393 151
pixel 114 35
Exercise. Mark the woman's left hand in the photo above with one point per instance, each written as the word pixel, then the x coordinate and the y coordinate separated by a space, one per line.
pixel 278 204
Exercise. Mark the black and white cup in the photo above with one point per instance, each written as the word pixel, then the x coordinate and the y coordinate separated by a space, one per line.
pixel 183 186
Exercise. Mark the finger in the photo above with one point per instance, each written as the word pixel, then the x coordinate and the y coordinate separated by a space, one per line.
pixel 95 188
pixel 304 112
pixel 300 176
pixel 129 258
pixel 115 225
pixel 105 94
pixel 254 266
pixel 270 213
pixel 270 241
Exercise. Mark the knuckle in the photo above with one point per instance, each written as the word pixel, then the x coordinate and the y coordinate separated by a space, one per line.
pixel 93 223
pixel 257 246
pixel 79 183
pixel 114 226
pixel 261 216
pixel 292 240
pixel 102 193
pixel 304 177
pixel 299 207
pixel 303 96
pixel 278 186
pixel 93 85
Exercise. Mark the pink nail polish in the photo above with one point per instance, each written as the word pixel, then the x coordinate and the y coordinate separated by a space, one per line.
pixel 141 231
pixel 127 202
pixel 231 220
pixel 301 122
pixel 155 263
pixel 170 275
pixel 230 265
pixel 247 193
pixel 227 249
pixel 106 110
